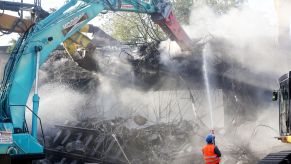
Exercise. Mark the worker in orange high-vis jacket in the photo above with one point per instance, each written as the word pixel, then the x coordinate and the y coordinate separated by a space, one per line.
pixel 211 152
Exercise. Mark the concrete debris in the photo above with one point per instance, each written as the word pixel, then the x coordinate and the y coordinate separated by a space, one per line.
pixel 139 120
pixel 92 141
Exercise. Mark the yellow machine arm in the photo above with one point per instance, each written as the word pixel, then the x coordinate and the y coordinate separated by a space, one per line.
pixel 10 23
pixel 77 41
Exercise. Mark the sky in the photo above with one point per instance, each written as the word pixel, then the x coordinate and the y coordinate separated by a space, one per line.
pixel 264 7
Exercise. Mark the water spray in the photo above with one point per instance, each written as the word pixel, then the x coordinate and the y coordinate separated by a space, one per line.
pixel 206 81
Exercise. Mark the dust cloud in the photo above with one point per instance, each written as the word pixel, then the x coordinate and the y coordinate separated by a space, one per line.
pixel 246 39
pixel 249 40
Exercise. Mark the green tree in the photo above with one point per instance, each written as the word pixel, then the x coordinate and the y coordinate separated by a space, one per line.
pixel 12 44
pixel 133 28
pixel 220 6
pixel 182 10
pixel 139 29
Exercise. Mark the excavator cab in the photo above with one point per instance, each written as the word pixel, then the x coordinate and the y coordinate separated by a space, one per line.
pixel 283 97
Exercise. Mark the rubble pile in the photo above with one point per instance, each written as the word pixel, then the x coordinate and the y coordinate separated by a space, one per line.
pixel 243 154
pixel 60 68
pixel 92 140
pixel 237 152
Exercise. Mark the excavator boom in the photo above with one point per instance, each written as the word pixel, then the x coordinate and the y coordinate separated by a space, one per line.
pixel 11 24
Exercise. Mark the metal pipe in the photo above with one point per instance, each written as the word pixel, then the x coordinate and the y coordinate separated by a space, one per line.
pixel 35 98
pixel 21 11
pixel 37 72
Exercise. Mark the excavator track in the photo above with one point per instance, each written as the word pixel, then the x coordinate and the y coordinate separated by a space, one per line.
pixel 281 157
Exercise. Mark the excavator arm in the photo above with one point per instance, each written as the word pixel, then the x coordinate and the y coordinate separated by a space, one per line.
pixel 34 47
pixel 10 24
pixel 170 25
pixel 167 22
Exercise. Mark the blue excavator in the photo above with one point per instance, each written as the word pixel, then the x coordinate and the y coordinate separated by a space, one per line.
pixel 17 144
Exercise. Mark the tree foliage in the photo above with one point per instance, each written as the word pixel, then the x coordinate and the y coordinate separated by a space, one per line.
pixel 220 6
pixel 134 28
pixel 12 44
pixel 138 28
pixel 182 10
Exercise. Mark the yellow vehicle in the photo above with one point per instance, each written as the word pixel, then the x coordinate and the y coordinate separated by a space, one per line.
pixel 78 46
